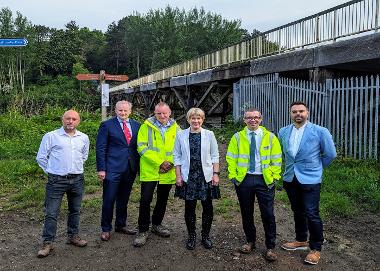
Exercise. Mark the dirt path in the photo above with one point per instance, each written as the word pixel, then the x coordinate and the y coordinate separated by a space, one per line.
pixel 350 245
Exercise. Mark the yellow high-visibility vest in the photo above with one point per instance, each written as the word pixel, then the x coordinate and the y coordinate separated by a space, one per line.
pixel 238 156
pixel 154 150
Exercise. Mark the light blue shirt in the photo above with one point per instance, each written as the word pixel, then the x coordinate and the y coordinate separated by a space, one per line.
pixel 295 139
pixel 163 128
pixel 62 154
pixel 259 138
pixel 127 122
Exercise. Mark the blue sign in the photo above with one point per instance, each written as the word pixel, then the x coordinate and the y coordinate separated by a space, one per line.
pixel 13 42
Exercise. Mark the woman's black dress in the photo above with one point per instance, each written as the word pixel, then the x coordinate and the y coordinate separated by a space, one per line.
pixel 196 187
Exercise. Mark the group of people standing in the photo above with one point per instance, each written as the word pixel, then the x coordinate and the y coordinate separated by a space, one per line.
pixel 163 154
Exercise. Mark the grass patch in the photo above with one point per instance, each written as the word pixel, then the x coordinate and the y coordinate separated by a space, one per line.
pixel 21 179
pixel 348 185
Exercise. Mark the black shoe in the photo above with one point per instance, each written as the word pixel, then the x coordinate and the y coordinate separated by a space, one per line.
pixel 206 242
pixel 191 242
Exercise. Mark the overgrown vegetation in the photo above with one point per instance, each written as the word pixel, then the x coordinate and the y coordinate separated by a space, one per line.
pixel 349 185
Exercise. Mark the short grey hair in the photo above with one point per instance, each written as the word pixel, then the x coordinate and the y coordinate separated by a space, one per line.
pixel 123 102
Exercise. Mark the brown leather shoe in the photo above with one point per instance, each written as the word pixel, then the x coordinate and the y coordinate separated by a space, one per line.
pixel 105 236
pixel 125 230
pixel 47 247
pixel 313 257
pixel 296 245
pixel 270 255
pixel 76 241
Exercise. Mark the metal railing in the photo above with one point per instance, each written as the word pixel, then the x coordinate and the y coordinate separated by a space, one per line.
pixel 348 107
pixel 351 18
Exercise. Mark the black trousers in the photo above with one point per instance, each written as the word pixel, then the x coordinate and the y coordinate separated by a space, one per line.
pixel 251 187
pixel 207 215
pixel 147 190
pixel 304 200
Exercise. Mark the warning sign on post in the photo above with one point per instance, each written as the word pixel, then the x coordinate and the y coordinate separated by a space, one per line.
pixel 105 94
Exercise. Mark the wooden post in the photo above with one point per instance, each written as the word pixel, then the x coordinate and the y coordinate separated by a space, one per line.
pixel 102 81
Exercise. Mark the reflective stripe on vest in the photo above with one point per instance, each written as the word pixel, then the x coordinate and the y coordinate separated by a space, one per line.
pixel 237 155
pixel 262 158
pixel 150 143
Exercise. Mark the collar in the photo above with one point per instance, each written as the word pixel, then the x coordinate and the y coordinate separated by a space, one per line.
pixel 62 131
pixel 160 125
pixel 121 121
pixel 258 131
pixel 302 127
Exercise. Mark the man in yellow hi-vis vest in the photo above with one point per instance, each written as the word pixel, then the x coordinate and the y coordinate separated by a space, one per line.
pixel 254 164
pixel 155 144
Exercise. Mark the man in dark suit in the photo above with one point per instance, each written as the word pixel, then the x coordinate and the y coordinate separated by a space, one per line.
pixel 117 162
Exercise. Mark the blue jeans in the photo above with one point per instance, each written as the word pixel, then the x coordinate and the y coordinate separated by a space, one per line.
pixel 304 201
pixel 56 187
pixel 251 186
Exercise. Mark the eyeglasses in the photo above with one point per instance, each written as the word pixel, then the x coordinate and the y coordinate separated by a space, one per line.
pixel 252 118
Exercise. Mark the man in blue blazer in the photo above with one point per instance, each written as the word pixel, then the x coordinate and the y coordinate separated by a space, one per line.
pixel 307 149
pixel 117 162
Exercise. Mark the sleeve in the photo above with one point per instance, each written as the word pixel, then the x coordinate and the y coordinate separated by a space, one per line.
pixel 177 152
pixel 231 158
pixel 86 148
pixel 328 150
pixel 214 149
pixel 101 147
pixel 44 152
pixel 276 158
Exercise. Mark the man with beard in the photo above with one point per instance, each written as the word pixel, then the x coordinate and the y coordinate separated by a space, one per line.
pixel 307 148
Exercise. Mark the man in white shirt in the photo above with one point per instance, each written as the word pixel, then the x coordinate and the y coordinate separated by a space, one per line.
pixel 61 155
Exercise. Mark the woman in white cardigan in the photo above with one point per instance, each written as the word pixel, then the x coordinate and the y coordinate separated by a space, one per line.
pixel 196 161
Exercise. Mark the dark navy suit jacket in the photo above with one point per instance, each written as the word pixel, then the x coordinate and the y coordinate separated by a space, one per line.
pixel 113 154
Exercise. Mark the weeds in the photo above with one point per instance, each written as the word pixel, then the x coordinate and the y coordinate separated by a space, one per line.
pixel 348 185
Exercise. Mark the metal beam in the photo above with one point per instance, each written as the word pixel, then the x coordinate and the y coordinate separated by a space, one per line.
pixel 154 97
pixel 224 96
pixel 181 101
pixel 206 94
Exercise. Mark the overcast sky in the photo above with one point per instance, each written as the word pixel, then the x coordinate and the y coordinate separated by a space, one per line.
pixel 95 14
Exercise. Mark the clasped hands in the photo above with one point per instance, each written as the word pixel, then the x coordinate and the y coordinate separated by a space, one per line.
pixel 165 167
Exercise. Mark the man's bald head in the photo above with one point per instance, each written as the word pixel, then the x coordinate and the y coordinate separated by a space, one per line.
pixel 70 121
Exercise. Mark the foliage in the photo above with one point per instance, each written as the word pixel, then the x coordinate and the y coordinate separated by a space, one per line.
pixel 21 179
pixel 62 91
pixel 228 129
pixel 141 44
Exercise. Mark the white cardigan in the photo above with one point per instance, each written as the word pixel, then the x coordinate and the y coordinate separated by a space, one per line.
pixel 209 153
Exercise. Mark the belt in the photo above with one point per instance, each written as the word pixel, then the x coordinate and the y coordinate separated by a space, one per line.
pixel 68 176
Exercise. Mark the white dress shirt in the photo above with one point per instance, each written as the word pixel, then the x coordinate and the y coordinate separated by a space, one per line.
pixel 295 139
pixel 62 154
pixel 258 138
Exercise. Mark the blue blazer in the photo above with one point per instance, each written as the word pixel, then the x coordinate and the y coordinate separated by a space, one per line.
pixel 316 151
pixel 113 154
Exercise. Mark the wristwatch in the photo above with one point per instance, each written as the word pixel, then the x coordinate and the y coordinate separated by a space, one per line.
pixel 216 172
